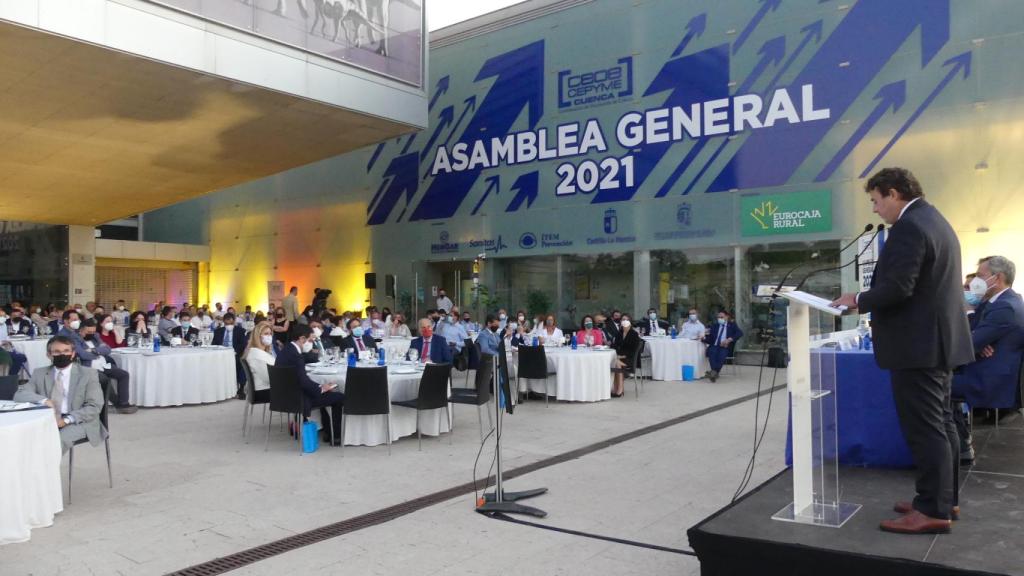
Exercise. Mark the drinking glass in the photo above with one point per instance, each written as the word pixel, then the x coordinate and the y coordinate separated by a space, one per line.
pixel 414 355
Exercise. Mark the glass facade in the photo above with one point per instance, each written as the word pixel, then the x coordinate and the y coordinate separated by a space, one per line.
pixel 33 263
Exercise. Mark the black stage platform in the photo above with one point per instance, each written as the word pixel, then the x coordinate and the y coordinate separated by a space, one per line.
pixel 742 539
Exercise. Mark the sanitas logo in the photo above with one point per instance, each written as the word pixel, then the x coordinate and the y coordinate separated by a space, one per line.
pixel 596 86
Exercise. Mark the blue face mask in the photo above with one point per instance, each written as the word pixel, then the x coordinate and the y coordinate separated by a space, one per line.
pixel 972 298
pixel 357 331
pixel 721 320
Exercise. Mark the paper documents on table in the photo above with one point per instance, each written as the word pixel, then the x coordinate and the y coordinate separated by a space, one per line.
pixel 10 406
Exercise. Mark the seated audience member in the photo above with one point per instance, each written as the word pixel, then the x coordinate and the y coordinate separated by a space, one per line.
pixel 374 320
pixel 218 311
pixel 247 315
pixel 258 355
pixel 120 313
pixel 692 328
pixel 39 318
pixel 490 338
pixel 203 320
pixel 397 328
pixel 72 390
pixel 17 358
pixel 588 330
pixel 89 312
pixel 625 348
pixel 974 293
pixel 551 335
pixel 430 347
pixel 357 340
pixel 502 318
pixel 137 325
pixel 521 320
pixel 314 395
pixel 282 328
pixel 186 331
pixel 518 335
pixel 166 324
pixel 452 330
pixel 98 310
pixel 107 334
pixel 652 325
pixel 92 352
pixel 259 316
pixel 17 324
pixel 608 330
pixel 468 324
pixel 54 319
pixel 435 317
pixel 991 381
pixel 720 338
pixel 306 316
pixel 231 335
pixel 321 342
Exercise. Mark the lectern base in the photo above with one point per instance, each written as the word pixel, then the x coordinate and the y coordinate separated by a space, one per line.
pixel 832 516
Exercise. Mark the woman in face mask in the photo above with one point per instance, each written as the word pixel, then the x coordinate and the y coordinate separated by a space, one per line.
pixel 137 325
pixel 590 334
pixel 281 328
pixel 550 335
pixel 625 349
pixel 258 355
pixel 107 333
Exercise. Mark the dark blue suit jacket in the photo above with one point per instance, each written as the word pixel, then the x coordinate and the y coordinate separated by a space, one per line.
pixel 238 339
pixel 289 357
pixel 440 353
pixel 993 382
pixel 732 330
pixel 350 342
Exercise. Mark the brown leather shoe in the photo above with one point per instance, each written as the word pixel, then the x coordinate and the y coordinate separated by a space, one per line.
pixel 905 507
pixel 914 522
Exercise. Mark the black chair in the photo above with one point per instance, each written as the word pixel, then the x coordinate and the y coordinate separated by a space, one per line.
pixel 632 367
pixel 8 386
pixel 533 365
pixel 250 399
pixel 286 397
pixel 366 394
pixel 433 394
pixel 106 444
pixel 481 394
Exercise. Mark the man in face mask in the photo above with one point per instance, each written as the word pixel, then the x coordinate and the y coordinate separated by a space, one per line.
pixel 18 324
pixel 692 329
pixel 232 336
pixel 720 340
pixel 651 324
pixel 73 392
pixel 358 338
pixel 186 331
pixel 430 347
pixel 93 352
pixel 443 302
pixel 314 395
pixel 452 330
pixel 490 339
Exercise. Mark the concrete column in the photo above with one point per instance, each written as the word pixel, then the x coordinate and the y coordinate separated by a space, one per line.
pixel 741 291
pixel 642 282
pixel 81 264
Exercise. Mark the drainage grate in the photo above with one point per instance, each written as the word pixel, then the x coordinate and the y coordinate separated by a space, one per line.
pixel 264 551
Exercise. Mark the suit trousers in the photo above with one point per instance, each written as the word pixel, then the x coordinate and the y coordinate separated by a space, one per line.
pixel 71 434
pixel 121 377
pixel 336 401
pixel 924 408
pixel 716 357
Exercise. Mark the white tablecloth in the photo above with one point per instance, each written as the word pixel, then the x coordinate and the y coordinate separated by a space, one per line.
pixel 34 351
pixel 370 430
pixel 668 356
pixel 581 375
pixel 395 347
pixel 30 460
pixel 176 376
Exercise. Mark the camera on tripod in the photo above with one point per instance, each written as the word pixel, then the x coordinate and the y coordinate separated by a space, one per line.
pixel 320 296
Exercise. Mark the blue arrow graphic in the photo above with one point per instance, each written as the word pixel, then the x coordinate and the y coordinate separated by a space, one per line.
pixel 441 88
pixel 766 6
pixel 771 53
pixel 694 28
pixel 408 143
pixel 518 84
pixel 376 196
pixel 889 96
pixel 493 183
pixel 528 187
pixel 770 157
pixel 403 171
pixel 376 154
pixel 470 106
pixel 961 62
pixel 444 120
pixel 810 31
pixel 691 79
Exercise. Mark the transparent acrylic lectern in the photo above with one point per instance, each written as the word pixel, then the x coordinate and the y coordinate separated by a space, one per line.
pixel 812 396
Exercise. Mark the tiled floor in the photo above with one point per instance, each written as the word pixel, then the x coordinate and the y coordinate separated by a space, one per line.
pixel 188 489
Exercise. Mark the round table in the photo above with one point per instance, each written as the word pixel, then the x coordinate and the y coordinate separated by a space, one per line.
pixel 370 430
pixel 176 376
pixel 669 355
pixel 34 351
pixel 581 375
pixel 395 346
pixel 30 457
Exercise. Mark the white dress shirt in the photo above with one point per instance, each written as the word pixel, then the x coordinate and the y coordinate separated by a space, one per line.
pixel 258 361
pixel 996 296
pixel 692 330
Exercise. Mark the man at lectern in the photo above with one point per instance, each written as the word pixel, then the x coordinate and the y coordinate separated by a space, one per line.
pixel 920 334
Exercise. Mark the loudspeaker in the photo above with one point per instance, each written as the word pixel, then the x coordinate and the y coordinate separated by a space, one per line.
pixel 370 281
pixel 389 285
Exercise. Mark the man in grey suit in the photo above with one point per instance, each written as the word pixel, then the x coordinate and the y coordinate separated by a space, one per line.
pixel 72 390
pixel 291 304
pixel 920 334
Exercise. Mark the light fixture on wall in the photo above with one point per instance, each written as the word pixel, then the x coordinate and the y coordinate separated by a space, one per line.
pixel 981 166
pixel 982 229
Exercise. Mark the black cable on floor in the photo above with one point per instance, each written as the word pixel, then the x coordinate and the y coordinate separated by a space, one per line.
pixel 506 518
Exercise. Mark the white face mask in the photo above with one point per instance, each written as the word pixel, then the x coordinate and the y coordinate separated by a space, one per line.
pixel 307 347
pixel 502 317
pixel 108 326
pixel 120 308
pixel 626 324
pixel 693 317
pixel 75 324
pixel 267 339
pixel 317 332
pixel 978 286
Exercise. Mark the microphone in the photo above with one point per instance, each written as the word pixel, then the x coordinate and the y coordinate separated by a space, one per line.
pixel 867 228
pixel 855 258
